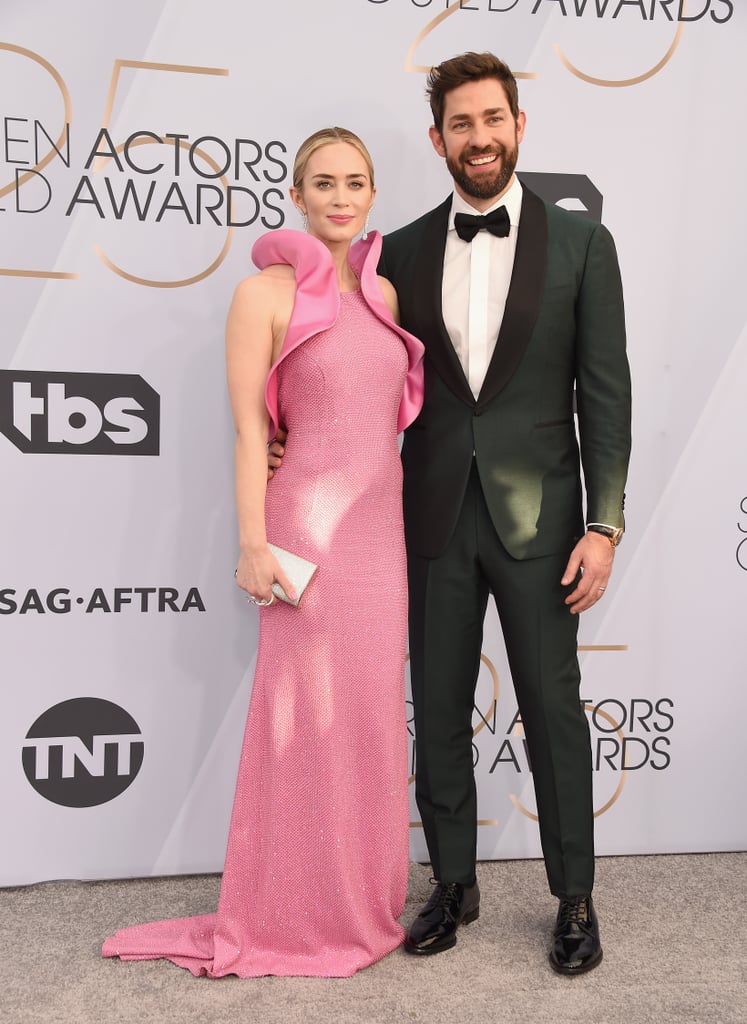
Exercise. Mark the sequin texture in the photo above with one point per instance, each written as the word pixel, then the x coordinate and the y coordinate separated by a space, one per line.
pixel 316 868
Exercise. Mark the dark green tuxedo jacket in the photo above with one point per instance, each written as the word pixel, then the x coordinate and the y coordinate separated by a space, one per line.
pixel 563 327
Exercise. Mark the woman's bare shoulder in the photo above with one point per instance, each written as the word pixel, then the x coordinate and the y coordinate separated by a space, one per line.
pixel 278 272
pixel 278 276
pixel 275 284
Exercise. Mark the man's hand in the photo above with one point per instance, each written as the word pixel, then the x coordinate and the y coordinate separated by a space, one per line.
pixel 275 452
pixel 593 555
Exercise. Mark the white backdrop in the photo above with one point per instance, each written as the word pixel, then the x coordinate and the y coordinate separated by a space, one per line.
pixel 126 653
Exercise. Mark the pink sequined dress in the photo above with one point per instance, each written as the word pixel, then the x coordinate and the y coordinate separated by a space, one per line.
pixel 316 867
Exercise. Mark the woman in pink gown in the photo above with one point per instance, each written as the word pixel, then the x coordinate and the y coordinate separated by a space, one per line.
pixel 316 867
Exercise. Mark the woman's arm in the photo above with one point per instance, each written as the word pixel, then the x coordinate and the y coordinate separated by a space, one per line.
pixel 249 351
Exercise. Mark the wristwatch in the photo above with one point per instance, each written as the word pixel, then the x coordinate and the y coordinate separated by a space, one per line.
pixel 614 534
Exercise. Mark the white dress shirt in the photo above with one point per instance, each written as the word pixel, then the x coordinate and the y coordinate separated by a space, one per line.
pixel 475 285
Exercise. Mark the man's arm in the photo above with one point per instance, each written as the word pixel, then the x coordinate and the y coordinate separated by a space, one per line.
pixel 604 408
pixel 603 395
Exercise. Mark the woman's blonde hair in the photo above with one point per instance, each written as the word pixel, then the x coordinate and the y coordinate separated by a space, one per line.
pixel 325 137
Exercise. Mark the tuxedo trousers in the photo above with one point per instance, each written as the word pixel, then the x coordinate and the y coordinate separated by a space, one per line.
pixel 448 601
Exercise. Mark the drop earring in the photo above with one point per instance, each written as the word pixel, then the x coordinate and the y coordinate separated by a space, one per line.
pixel 304 219
pixel 364 236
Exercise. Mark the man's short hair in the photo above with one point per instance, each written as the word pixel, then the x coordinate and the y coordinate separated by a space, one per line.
pixel 468 67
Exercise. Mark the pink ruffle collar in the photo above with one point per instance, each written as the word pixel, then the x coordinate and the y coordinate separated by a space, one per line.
pixel 317 306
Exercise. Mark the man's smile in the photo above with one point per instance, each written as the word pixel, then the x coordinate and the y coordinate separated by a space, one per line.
pixel 485 158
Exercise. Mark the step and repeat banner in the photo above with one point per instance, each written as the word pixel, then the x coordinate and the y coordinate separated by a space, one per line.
pixel 141 154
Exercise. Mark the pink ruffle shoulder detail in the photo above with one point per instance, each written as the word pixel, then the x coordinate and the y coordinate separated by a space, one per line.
pixel 318 304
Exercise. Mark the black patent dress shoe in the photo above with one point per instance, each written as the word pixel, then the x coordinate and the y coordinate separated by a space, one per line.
pixel 576 947
pixel 434 929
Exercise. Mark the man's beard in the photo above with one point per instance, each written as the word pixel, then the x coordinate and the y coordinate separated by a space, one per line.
pixel 487 185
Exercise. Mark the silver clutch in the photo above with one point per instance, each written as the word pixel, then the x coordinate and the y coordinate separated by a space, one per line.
pixel 298 570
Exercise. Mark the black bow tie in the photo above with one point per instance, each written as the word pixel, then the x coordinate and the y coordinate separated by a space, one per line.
pixel 497 223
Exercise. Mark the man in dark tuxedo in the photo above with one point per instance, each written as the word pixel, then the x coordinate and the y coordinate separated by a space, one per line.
pixel 518 303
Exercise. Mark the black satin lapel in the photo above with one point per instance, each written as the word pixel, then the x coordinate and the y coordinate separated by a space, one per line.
pixel 524 297
pixel 428 280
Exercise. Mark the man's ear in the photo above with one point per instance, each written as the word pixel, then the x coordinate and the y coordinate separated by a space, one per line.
pixel 437 140
pixel 521 122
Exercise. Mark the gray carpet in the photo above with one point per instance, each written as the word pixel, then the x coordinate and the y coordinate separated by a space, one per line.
pixel 673 930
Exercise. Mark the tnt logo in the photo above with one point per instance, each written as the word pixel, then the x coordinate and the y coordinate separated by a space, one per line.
pixel 79 413
pixel 83 752
pixel 571 191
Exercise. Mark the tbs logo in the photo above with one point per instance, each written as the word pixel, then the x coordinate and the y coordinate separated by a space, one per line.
pixel 570 191
pixel 83 752
pixel 79 413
